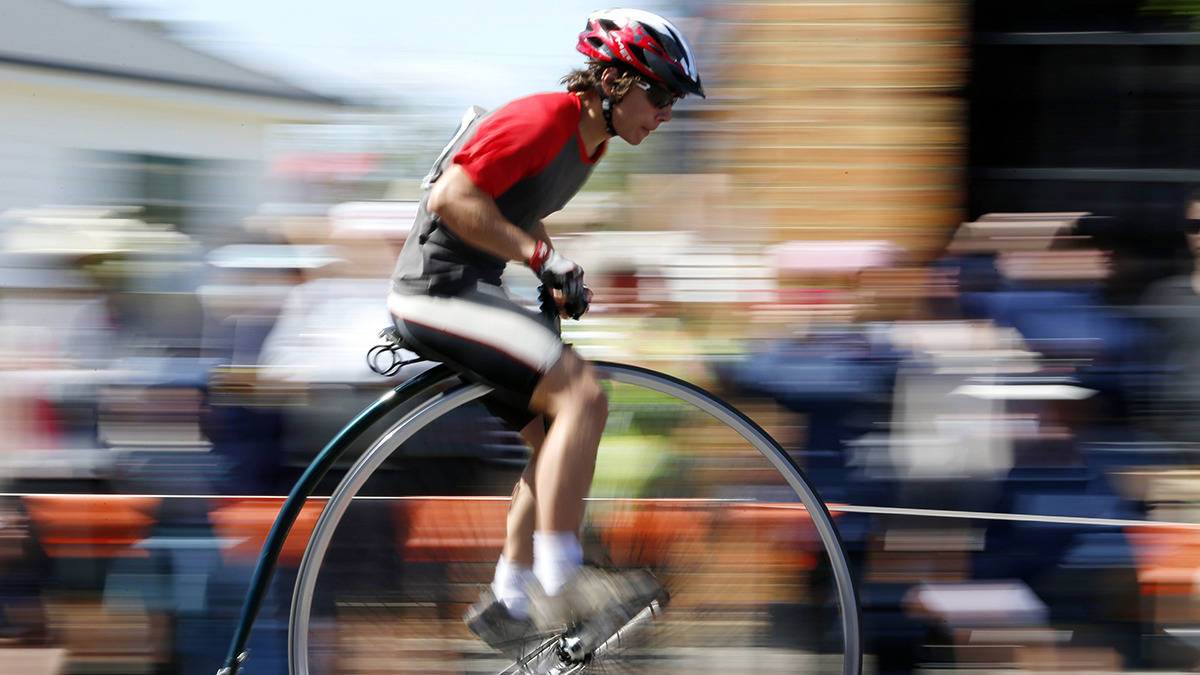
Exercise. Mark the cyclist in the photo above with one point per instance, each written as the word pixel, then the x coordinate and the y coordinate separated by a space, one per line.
pixel 487 194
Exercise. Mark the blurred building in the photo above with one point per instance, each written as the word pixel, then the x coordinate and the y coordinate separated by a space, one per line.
pixel 842 120
pixel 1085 106
pixel 99 111
pixel 898 120
pixel 1090 107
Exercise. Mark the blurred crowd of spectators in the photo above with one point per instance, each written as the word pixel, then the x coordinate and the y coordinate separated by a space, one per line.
pixel 1043 367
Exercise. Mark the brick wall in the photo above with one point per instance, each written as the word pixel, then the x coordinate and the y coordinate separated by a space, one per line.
pixel 841 119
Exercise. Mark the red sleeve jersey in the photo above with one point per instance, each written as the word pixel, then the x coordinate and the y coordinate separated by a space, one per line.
pixel 528 156
pixel 521 139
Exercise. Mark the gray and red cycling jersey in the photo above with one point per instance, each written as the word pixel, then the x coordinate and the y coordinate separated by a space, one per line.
pixel 446 296
pixel 529 158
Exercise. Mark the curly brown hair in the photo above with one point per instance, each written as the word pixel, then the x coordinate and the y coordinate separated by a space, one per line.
pixel 588 78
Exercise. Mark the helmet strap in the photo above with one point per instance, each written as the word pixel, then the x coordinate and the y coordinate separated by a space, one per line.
pixel 606 106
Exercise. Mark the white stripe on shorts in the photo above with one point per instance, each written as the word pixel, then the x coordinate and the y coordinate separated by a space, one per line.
pixel 516 333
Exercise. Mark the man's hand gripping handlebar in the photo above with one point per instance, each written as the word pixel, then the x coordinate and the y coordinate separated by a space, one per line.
pixel 560 273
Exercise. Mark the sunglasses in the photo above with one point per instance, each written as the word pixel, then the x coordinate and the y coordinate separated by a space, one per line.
pixel 659 97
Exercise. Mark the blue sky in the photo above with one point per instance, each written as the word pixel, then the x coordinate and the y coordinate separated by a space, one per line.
pixel 449 52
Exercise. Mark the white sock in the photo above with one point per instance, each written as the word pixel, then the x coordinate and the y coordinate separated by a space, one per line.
pixel 556 556
pixel 510 586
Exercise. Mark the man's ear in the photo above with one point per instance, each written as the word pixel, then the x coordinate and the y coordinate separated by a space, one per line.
pixel 608 79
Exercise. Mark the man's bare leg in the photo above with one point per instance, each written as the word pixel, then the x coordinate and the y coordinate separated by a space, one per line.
pixel 522 511
pixel 514 570
pixel 562 474
pixel 570 395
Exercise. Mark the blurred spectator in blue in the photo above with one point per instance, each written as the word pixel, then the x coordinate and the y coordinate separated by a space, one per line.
pixel 243 303
pixel 1051 277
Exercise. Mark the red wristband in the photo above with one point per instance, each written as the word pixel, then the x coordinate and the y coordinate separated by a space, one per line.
pixel 540 253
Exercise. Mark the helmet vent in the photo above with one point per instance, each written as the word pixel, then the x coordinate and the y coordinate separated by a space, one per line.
pixel 668 43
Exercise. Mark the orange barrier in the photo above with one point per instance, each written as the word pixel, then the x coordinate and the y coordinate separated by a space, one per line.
pixel 788 528
pixel 644 533
pixel 444 529
pixel 450 529
pixel 92 526
pixel 1168 573
pixel 1168 559
pixel 245 523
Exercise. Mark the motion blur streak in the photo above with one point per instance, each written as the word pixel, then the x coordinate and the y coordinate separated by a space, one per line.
pixel 942 250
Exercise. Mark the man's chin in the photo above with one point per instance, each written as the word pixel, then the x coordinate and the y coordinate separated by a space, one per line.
pixel 637 137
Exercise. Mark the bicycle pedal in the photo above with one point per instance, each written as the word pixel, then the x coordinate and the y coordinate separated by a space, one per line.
pixel 540 660
pixel 572 648
pixel 553 664
pixel 587 638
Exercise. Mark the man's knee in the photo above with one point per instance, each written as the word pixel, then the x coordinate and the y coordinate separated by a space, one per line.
pixel 592 394
pixel 572 383
pixel 584 386
pixel 583 392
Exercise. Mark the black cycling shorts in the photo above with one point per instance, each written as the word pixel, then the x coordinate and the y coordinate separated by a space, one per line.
pixel 487 337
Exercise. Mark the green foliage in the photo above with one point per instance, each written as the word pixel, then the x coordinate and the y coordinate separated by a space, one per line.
pixel 626 465
pixel 1180 8
pixel 639 411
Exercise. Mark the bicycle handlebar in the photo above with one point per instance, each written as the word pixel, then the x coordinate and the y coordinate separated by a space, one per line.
pixel 549 307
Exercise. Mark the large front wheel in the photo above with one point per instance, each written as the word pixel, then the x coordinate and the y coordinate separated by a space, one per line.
pixel 685 485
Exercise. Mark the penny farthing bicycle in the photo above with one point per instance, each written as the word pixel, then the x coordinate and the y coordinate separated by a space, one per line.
pixel 686 486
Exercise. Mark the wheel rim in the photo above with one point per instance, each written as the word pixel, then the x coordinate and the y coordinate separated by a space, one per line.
pixel 822 519
pixel 619 373
pixel 335 508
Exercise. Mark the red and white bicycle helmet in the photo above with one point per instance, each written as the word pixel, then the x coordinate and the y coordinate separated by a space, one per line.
pixel 646 41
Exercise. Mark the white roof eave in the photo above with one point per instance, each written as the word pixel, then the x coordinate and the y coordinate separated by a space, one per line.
pixel 265 105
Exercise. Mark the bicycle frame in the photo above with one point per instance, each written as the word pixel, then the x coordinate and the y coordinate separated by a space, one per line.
pixel 685 391
pixel 330 454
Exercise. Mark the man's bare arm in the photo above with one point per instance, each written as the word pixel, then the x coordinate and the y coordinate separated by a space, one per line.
pixel 472 215
pixel 540 234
